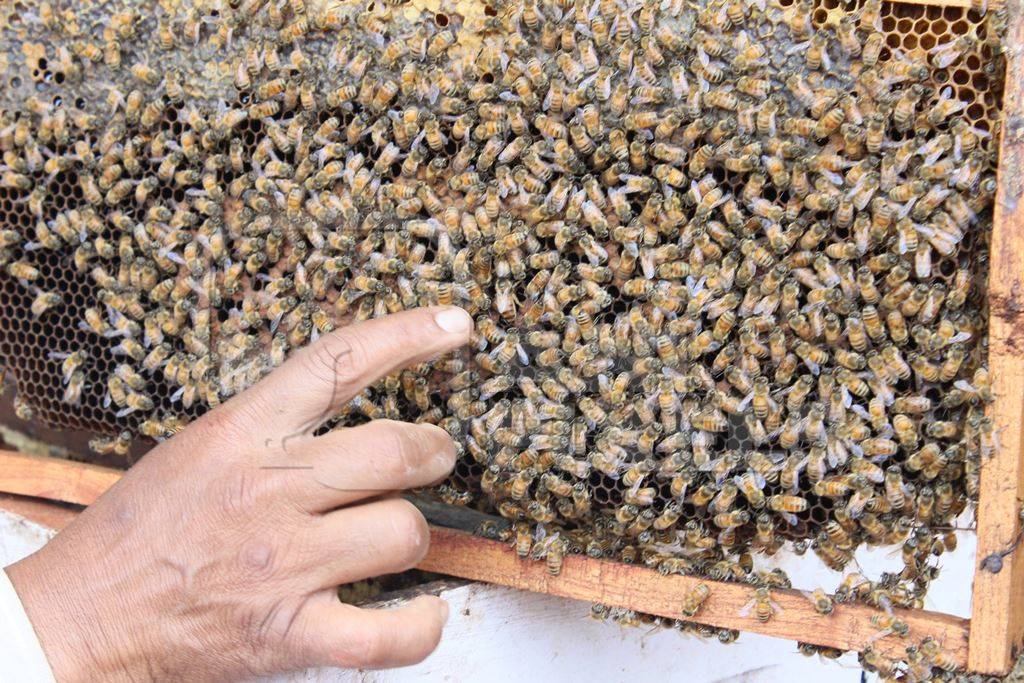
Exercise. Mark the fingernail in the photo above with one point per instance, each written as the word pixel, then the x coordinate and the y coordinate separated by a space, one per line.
pixel 453 320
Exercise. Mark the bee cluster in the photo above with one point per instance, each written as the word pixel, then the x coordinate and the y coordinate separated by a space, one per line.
pixel 727 261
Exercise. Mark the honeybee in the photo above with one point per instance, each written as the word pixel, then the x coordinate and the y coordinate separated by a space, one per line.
pixel 117 445
pixel 21 270
pixel 822 601
pixel 694 599
pixel 73 388
pixel 761 606
pixel 45 301
pixel 880 663
pixel 887 624
pixel 937 656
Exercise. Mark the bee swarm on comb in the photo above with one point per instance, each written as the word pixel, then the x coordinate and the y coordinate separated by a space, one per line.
pixel 727 262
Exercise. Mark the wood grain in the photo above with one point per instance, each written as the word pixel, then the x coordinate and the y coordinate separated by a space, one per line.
pixel 54 478
pixel 998 608
pixel 457 553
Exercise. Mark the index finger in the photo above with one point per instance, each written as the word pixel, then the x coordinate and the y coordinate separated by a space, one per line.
pixel 320 378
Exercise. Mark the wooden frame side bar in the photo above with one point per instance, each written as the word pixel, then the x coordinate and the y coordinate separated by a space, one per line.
pixel 463 555
pixel 997 620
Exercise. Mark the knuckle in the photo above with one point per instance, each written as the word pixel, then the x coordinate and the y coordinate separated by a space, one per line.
pixel 228 425
pixel 259 558
pixel 403 452
pixel 336 358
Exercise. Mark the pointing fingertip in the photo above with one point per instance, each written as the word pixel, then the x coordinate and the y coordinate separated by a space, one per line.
pixel 454 320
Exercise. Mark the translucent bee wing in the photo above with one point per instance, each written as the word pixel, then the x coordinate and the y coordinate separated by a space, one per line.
pixel 748 609
pixel 524 357
pixel 703 56
pixel 724 198
pixel 934 156
pixel 944 59
pixel 680 88
pixel 832 454
pixel 745 402
pixel 902 212
pixel 842 454
pixel 835 178
pixel 885 604
pixel 860 411
pixel 798 47
pixel 790 518
pixel 964 385
pixel 880 634
pixel 647 263
pixel 682 494
pixel 709 465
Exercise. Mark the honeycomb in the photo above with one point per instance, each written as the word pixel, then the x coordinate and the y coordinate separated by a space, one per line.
pixel 728 290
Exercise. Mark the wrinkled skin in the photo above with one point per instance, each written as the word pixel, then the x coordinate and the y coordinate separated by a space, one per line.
pixel 217 556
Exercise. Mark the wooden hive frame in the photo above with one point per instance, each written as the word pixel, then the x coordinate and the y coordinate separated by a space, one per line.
pixel 987 643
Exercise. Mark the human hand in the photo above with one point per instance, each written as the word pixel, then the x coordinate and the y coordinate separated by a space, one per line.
pixel 216 557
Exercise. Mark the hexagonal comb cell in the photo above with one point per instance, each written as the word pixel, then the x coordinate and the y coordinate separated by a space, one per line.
pixel 728 290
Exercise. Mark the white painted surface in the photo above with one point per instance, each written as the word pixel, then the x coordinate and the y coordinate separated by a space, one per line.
pixel 19 537
pixel 949 593
pixel 498 634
